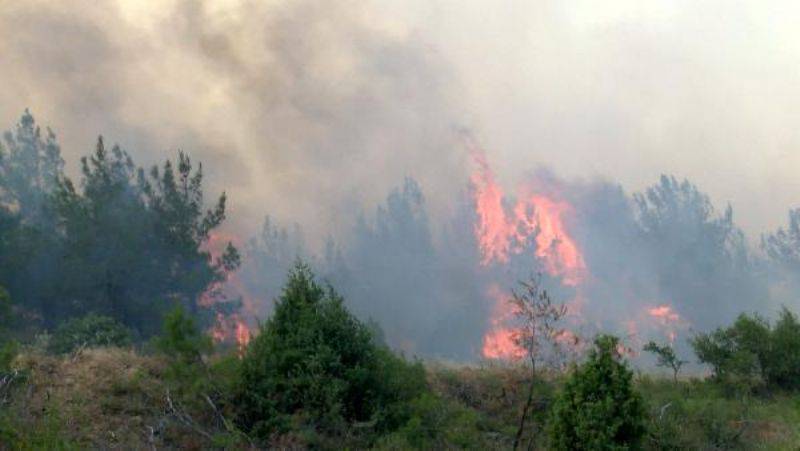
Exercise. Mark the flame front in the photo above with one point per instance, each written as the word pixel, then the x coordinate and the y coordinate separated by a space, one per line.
pixel 535 217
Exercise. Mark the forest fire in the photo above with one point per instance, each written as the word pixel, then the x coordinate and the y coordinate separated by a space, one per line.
pixel 232 327
pixel 535 219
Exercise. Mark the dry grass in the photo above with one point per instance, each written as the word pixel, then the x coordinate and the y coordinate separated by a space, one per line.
pixel 115 399
pixel 105 398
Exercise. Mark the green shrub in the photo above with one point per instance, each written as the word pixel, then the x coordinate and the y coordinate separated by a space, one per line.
pixel 397 382
pixel 184 345
pixel 735 353
pixel 783 363
pixel 200 384
pixel 598 407
pixel 90 331
pixel 314 366
pixel 752 352
pixel 5 310
pixel 8 350
pixel 8 346
pixel 48 432
pixel 181 339
pixel 722 425
pixel 436 423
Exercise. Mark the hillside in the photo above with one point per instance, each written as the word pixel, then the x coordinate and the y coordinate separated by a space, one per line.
pixel 110 398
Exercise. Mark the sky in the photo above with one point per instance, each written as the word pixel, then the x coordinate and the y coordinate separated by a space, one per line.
pixel 303 109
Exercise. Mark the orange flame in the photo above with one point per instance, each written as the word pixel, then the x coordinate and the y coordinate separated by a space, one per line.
pixel 493 230
pixel 242 334
pixel 499 342
pixel 667 318
pixel 233 327
pixel 537 219
pixel 664 313
pixel 554 246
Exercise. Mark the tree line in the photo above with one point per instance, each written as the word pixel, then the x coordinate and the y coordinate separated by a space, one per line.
pixel 122 241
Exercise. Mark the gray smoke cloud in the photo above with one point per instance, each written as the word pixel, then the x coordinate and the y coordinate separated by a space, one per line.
pixel 659 264
pixel 290 96
pixel 301 109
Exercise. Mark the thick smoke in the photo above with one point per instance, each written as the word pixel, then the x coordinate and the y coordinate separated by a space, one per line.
pixel 308 109
pixel 316 112
pixel 661 264
pixel 395 268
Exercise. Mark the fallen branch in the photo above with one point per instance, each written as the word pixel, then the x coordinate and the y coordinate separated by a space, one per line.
pixel 185 418
pixel 663 410
pixel 151 437
pixel 6 381
pixel 228 425
pixel 78 351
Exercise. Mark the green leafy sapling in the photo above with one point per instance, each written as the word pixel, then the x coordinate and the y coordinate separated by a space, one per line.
pixel 666 358
pixel 538 334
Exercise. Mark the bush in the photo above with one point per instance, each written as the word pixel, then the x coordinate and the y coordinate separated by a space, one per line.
pixel 90 331
pixel 783 364
pixel 199 382
pixel 752 352
pixel 181 339
pixel 8 347
pixel 435 423
pixel 8 351
pixel 185 344
pixel 5 310
pixel 314 366
pixel 722 425
pixel 48 433
pixel 598 407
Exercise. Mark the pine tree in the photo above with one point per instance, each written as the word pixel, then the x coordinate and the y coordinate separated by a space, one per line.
pixel 598 407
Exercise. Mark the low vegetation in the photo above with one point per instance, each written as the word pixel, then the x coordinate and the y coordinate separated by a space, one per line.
pixel 89 331
pixel 116 398
pixel 315 371
pixel 598 407
pixel 753 354
pixel 316 377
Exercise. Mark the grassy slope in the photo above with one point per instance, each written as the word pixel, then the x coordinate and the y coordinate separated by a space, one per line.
pixel 111 398
pixel 100 398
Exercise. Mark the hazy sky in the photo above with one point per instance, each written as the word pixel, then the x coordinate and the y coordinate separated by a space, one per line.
pixel 301 107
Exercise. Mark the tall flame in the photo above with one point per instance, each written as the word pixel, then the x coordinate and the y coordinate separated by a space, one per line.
pixel 534 217
pixel 544 218
pixel 493 230
pixel 537 219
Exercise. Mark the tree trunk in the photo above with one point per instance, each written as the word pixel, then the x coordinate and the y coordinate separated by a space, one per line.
pixel 525 410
